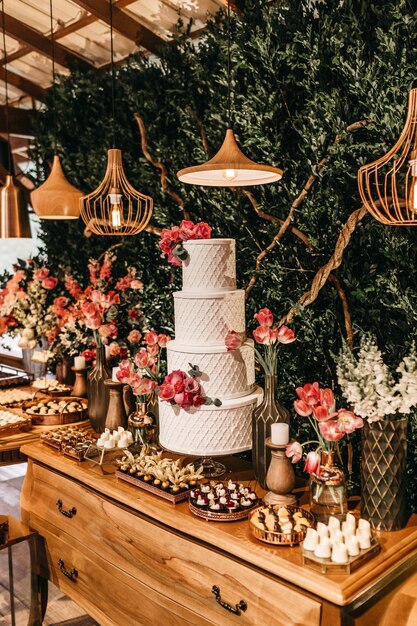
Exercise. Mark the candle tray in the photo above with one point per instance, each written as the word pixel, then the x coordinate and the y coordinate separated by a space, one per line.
pixel 156 491
pixel 276 538
pixel 326 566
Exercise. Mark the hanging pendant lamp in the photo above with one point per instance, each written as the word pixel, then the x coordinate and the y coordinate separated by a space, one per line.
pixel 14 218
pixel 229 167
pixel 56 198
pixel 115 207
pixel 388 186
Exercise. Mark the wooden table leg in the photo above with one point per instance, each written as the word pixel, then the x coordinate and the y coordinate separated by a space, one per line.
pixel 38 587
pixel 11 585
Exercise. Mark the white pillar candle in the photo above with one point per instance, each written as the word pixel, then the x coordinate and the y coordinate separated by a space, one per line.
pixel 114 374
pixel 333 523
pixel 322 529
pixel 79 362
pixel 311 540
pixel 280 434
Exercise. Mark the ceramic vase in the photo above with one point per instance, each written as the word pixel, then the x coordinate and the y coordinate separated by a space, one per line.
pixel 97 392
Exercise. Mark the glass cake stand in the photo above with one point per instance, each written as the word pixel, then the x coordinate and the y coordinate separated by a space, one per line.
pixel 211 468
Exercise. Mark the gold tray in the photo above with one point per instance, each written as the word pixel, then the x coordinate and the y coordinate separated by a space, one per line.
pixel 280 539
pixel 17 427
pixel 137 482
pixel 214 516
pixel 61 418
pixel 326 566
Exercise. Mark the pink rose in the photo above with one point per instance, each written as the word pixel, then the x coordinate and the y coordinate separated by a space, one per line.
pixel 115 349
pixel 302 408
pixel 177 376
pixel 163 340
pixel 234 340
pixel 202 231
pixel 50 282
pixel 184 399
pixel 187 230
pixel 166 391
pixel 347 421
pixel 262 334
pixel 330 431
pixel 142 359
pixel 198 400
pixel 134 336
pixel 286 335
pixel 264 317
pixel 93 323
pixel 191 385
pixel 136 284
pixel 41 274
pixel 294 452
pixel 312 464
pixel 151 338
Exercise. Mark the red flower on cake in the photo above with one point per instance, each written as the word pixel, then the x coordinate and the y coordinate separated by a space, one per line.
pixel 234 340
pixel 171 242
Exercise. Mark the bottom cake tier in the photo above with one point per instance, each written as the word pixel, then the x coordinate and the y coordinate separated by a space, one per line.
pixel 208 430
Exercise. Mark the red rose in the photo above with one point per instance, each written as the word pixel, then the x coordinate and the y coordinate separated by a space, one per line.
pixel 41 274
pixel 198 400
pixel 187 230
pixel 49 282
pixel 203 231
pixel 166 391
pixel 179 387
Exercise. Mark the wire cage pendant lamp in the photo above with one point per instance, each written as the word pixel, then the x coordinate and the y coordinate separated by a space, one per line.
pixel 229 167
pixel 56 198
pixel 14 217
pixel 388 186
pixel 115 207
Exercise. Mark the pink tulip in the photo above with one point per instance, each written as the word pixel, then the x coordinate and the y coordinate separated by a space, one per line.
pixel 327 399
pixel 49 282
pixel 302 408
pixel 321 413
pixel 89 309
pixel 94 323
pixel 134 336
pixel 153 350
pixel 166 391
pixel 294 451
pixel 144 387
pixel 234 340
pixel 312 464
pixel 151 338
pixel 142 359
pixel 173 260
pixel 347 421
pixel 310 394
pixel 286 335
pixel 123 375
pixel 330 431
pixel 264 317
pixel 262 334
pixel 163 340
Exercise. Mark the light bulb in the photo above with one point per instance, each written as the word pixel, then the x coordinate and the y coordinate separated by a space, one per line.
pixel 230 174
pixel 116 207
pixel 412 196
pixel 116 216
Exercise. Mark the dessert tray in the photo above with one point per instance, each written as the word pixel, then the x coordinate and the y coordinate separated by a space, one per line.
pixel 280 525
pixel 51 412
pixel 12 377
pixel 10 423
pixel 339 547
pixel 72 442
pixel 162 477
pixel 14 397
pixel 222 502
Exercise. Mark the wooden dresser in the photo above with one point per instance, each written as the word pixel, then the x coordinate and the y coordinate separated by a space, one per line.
pixel 129 558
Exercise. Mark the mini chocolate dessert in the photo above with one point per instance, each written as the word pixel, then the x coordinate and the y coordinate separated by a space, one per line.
pixel 201 502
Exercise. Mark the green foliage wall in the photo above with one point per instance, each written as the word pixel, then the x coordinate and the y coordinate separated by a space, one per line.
pixel 303 72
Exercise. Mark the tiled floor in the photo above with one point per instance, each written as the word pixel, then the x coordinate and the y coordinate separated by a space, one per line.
pixel 59 606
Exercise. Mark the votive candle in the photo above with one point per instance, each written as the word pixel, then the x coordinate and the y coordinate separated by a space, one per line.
pixel 79 362
pixel 280 434
pixel 114 374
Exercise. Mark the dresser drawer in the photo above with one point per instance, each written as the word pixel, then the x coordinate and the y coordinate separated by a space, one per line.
pixel 170 563
pixel 109 595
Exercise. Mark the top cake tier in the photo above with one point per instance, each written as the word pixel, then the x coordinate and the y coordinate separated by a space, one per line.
pixel 211 265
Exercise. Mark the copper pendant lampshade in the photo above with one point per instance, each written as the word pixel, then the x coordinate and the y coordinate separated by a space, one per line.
pixel 56 198
pixel 14 218
pixel 115 207
pixel 229 167
pixel 388 186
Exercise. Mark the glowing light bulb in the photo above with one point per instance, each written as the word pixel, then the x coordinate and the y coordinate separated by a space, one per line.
pixel 116 217
pixel 230 174
pixel 116 206
pixel 412 197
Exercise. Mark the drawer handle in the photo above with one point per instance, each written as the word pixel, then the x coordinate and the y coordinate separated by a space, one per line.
pixel 236 610
pixel 72 575
pixel 70 513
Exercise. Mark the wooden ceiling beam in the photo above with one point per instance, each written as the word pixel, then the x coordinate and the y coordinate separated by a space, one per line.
pixel 124 24
pixel 30 37
pixel 25 85
pixel 20 121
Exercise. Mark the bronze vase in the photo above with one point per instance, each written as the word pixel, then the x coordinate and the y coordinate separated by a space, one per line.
pixel 97 392
pixel 328 490
pixel 267 413
pixel 64 373
pixel 141 424
pixel 383 473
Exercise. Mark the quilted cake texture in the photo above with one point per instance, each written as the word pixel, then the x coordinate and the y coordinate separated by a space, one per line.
pixel 211 265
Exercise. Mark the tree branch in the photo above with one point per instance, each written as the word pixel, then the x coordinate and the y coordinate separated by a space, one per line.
pixel 348 320
pixel 160 166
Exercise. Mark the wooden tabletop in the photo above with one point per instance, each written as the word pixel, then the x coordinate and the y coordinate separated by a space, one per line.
pixel 398 554
pixel 18 531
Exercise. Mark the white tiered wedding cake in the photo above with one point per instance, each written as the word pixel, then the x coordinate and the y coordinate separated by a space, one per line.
pixel 206 309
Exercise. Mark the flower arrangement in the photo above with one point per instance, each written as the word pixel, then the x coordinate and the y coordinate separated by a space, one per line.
pixel 172 239
pixel 318 406
pixel 266 335
pixel 184 390
pixel 368 385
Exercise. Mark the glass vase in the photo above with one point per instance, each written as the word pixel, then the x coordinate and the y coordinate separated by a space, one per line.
pixel 97 392
pixel 328 490
pixel 141 424
pixel 267 413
